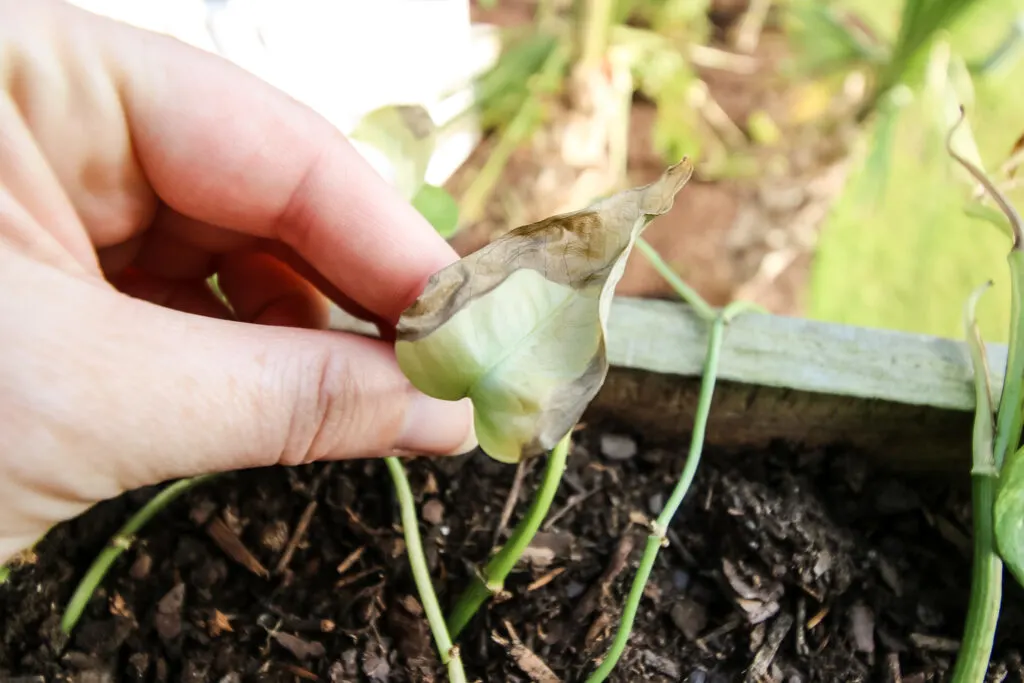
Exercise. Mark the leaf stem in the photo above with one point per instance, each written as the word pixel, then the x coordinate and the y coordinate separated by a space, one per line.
pixel 986 588
pixel 687 293
pixel 492 580
pixel 120 542
pixel 657 539
pixel 421 574
pixel 987 573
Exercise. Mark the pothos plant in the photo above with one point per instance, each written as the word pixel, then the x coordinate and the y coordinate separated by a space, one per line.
pixel 997 471
pixel 519 327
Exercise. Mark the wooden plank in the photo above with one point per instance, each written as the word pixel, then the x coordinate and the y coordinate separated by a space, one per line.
pixel 904 398
pixel 800 355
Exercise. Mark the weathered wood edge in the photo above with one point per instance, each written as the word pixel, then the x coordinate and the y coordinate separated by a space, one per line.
pixel 800 355
pixel 905 399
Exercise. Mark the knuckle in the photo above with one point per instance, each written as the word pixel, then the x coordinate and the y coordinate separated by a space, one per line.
pixel 328 410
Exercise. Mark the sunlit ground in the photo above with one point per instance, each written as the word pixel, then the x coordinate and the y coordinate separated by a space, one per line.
pixel 910 262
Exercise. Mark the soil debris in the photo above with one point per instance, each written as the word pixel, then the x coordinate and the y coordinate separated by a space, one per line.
pixel 690 617
pixel 525 658
pixel 226 536
pixel 302 649
pixel 780 527
pixel 168 613
pixel 618 447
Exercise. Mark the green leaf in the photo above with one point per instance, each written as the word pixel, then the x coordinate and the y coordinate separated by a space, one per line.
pixel 989 215
pixel 984 459
pixel 826 44
pixel 879 158
pixel 1009 515
pixel 400 141
pixel 438 207
pixel 519 326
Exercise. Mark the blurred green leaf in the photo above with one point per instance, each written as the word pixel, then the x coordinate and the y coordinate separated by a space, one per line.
pixel 989 215
pixel 438 207
pixel 1003 54
pixel 825 43
pixel 405 136
pixel 878 163
pixel 502 89
pixel 947 88
pixel 663 74
pixel 920 22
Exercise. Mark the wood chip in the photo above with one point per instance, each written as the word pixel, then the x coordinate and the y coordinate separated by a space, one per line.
pixel 817 618
pixel 525 658
pixel 352 558
pixel 300 532
pixel 545 580
pixel 298 671
pixel 512 498
pixel 229 542
pixel 728 627
pixel 302 649
pixel 801 633
pixel 599 591
pixel 892 668
pixel 219 624
pixel 862 625
pixel 597 629
pixel 352 578
pixel 935 643
pixel 759 668
pixel 118 607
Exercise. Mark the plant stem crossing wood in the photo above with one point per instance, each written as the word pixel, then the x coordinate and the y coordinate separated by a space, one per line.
pixel 987 571
pixel 659 529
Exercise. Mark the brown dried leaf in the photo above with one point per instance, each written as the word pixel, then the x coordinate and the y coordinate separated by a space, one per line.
pixel 519 326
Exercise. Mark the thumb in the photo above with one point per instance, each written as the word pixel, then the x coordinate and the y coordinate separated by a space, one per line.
pixel 223 395
pixel 145 393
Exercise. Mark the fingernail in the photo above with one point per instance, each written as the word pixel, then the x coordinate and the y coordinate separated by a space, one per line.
pixel 433 425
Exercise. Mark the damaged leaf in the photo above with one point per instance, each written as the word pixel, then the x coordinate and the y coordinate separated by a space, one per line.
pixel 519 326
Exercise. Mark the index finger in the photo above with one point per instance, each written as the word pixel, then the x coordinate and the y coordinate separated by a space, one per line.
pixel 222 146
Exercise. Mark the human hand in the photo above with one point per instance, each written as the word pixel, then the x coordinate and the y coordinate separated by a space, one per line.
pixel 132 167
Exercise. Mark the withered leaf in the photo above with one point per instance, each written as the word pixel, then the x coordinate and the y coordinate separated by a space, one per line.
pixel 519 326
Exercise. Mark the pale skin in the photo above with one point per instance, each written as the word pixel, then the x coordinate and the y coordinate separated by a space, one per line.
pixel 132 167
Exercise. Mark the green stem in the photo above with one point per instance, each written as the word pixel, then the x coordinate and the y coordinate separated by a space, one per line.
pixel 593 25
pixel 492 580
pixel 1010 418
pixel 121 541
pixel 514 133
pixel 986 588
pixel 657 538
pixel 987 570
pixel 987 575
pixel 421 574
pixel 687 293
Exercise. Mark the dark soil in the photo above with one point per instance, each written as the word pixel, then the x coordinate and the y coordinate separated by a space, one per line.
pixel 803 566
